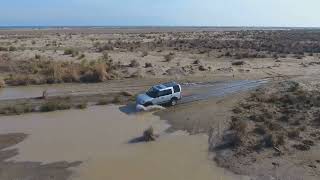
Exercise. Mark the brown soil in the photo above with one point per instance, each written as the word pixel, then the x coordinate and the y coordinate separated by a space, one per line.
pixel 28 170
pixel 271 132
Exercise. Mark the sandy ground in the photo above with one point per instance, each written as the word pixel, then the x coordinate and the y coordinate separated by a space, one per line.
pixel 141 58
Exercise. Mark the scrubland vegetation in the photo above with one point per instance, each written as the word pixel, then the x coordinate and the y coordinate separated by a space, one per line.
pixel 270 126
pixel 287 116
pixel 32 58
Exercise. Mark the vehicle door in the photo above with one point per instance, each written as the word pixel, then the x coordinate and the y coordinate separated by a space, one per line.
pixel 164 96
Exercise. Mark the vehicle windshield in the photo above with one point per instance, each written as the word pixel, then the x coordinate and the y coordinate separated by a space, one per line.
pixel 152 92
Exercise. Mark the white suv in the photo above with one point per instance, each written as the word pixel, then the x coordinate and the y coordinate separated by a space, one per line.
pixel 161 94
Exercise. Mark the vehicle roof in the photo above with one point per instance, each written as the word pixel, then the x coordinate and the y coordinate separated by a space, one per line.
pixel 165 85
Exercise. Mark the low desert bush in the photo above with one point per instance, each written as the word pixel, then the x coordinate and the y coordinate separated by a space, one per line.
pixel 169 57
pixel 81 56
pixel 21 80
pixel 144 54
pixel 293 133
pixel 3 49
pixel 82 105
pixel 2 83
pixel 54 106
pixel 12 48
pixel 147 65
pixel 238 63
pixel 97 73
pixel 239 126
pixel 134 63
pixel 116 100
pixel 17 109
pixel 260 130
pixel 103 47
pixel 70 51
pixel 102 102
pixel 37 56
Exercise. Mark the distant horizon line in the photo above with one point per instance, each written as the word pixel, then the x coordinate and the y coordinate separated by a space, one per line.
pixel 147 26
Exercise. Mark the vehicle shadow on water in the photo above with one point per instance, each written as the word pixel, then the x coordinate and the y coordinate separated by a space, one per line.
pixel 129 109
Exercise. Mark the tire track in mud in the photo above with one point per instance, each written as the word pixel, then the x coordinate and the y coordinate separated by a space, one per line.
pixel 217 89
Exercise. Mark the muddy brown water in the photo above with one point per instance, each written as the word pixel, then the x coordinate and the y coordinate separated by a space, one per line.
pixel 99 136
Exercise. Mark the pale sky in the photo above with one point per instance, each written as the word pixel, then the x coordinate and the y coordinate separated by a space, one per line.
pixel 293 13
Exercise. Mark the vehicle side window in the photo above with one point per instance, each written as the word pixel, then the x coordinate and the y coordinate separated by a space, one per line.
pixel 165 93
pixel 176 89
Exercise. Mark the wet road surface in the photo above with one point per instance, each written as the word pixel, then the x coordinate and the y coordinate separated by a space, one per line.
pixel 191 91
pixel 202 91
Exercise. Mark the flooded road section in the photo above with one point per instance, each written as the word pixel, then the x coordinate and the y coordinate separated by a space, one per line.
pixel 191 91
pixel 99 136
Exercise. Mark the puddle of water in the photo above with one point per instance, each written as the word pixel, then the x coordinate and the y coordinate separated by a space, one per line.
pixel 98 136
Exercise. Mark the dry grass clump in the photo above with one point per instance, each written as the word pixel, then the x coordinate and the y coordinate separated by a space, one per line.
pixel 96 73
pixel 57 72
pixel 43 71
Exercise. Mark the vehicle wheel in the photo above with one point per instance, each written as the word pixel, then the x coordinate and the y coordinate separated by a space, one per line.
pixel 147 104
pixel 173 102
